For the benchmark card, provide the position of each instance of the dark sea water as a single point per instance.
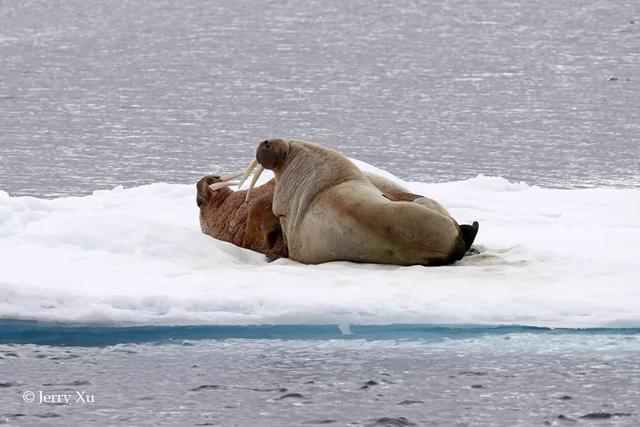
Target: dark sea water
(95, 94)
(516, 379)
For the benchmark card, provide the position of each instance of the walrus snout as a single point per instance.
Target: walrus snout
(271, 152)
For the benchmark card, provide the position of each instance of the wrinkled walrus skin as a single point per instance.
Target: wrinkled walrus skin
(225, 215)
(330, 211)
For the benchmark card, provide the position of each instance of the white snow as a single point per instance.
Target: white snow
(548, 257)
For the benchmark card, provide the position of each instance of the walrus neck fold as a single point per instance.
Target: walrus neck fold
(309, 170)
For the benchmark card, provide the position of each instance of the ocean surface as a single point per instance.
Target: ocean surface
(493, 379)
(95, 94)
(114, 309)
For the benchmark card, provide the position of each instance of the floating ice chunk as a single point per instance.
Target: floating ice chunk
(548, 257)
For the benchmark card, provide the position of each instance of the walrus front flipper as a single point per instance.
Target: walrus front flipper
(277, 245)
(469, 233)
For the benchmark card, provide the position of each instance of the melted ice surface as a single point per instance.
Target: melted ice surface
(548, 257)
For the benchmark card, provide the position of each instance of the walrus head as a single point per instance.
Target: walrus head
(272, 153)
(214, 186)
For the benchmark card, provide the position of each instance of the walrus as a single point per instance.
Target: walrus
(330, 211)
(246, 222)
(250, 223)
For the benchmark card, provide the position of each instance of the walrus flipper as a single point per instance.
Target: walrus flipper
(469, 233)
(277, 245)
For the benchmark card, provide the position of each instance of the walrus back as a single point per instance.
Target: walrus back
(353, 221)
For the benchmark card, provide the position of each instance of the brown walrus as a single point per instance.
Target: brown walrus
(228, 215)
(330, 211)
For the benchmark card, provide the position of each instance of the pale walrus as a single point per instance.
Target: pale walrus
(330, 211)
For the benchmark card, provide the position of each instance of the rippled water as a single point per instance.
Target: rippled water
(517, 379)
(95, 93)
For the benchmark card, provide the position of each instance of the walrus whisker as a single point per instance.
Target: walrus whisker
(218, 185)
(259, 171)
(233, 175)
(247, 172)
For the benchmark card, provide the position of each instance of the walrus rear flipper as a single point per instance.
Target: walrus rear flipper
(469, 233)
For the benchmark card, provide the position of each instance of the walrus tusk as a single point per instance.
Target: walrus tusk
(259, 171)
(233, 175)
(247, 172)
(224, 184)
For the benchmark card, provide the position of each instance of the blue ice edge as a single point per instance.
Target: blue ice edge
(59, 334)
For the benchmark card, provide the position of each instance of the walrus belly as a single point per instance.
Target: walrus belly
(353, 221)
